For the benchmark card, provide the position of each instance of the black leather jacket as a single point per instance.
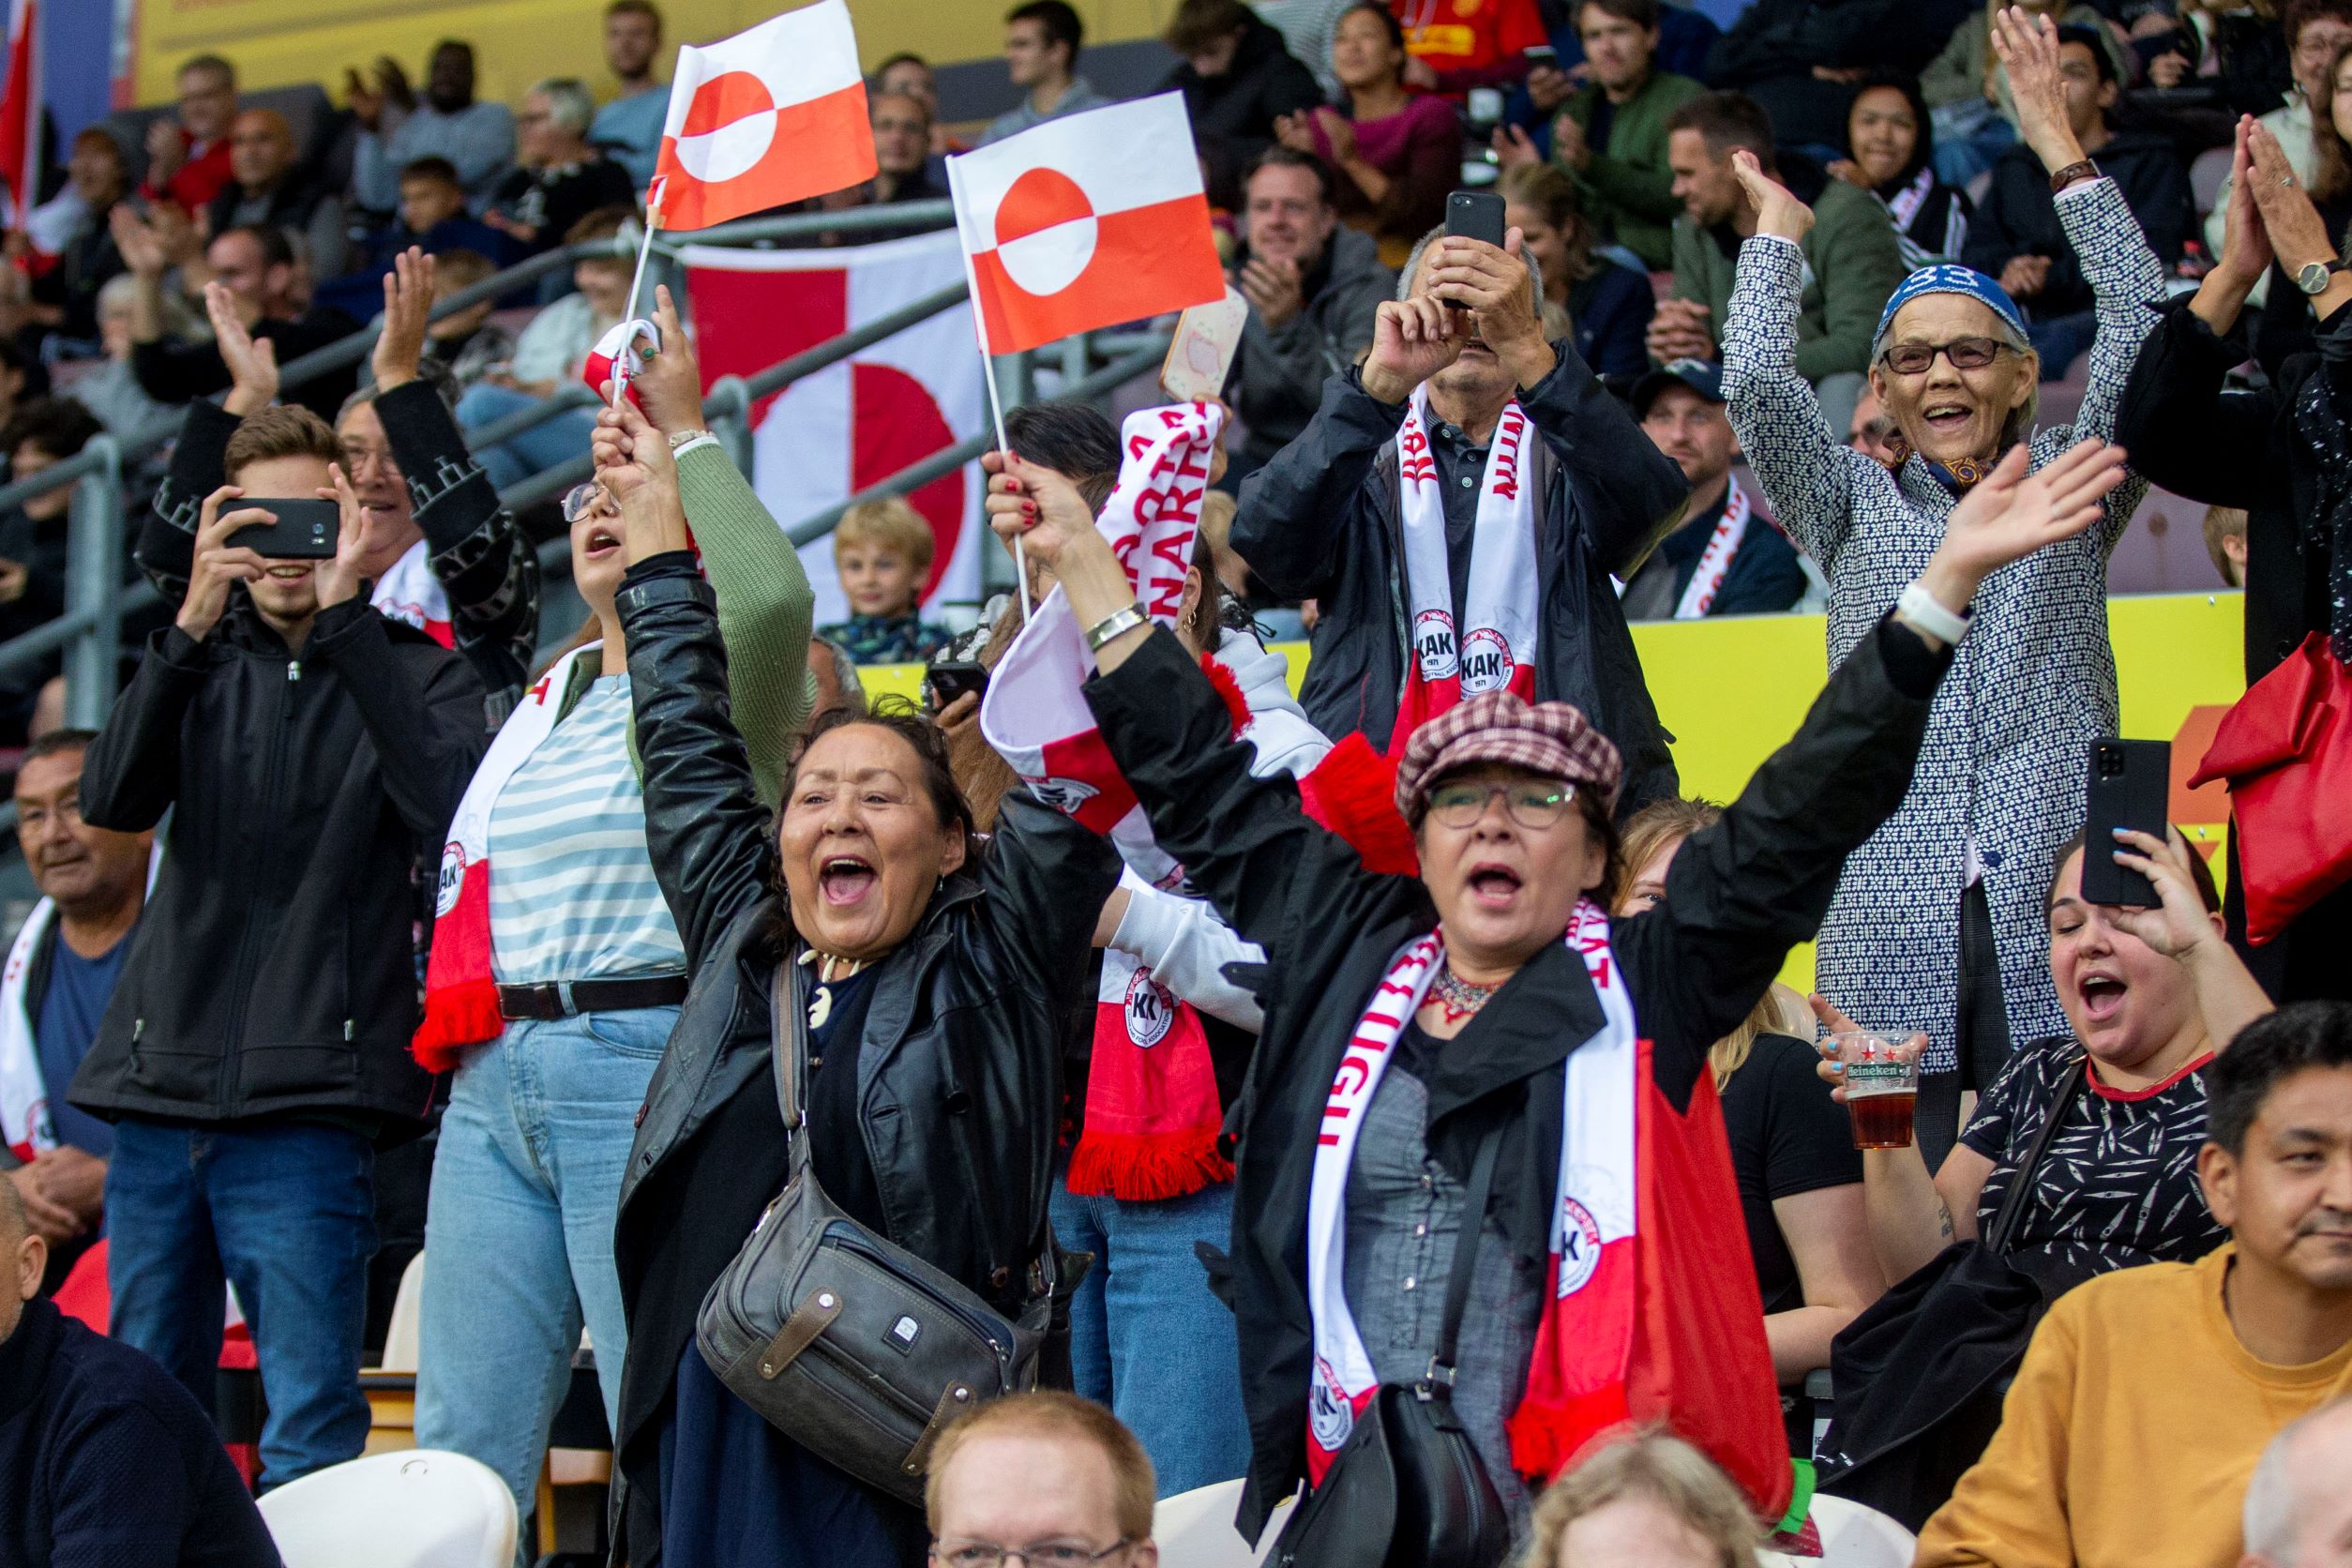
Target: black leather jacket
(957, 1067)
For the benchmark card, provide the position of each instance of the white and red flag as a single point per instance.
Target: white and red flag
(773, 114)
(1084, 222)
(21, 110)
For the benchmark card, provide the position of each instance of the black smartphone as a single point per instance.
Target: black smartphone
(1475, 214)
(1541, 54)
(951, 678)
(2130, 783)
(304, 530)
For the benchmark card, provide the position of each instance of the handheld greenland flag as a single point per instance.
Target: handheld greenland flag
(1084, 222)
(771, 116)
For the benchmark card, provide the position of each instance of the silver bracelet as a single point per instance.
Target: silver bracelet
(680, 438)
(1928, 613)
(1124, 619)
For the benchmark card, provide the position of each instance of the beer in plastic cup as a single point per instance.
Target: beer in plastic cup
(1881, 1086)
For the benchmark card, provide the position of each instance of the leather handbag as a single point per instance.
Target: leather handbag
(852, 1346)
(2286, 752)
(1918, 1377)
(1407, 1490)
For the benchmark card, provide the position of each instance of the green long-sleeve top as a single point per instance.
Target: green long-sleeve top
(1852, 264)
(765, 609)
(1626, 186)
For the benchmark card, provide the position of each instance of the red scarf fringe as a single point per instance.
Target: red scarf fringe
(1144, 1167)
(1352, 791)
(456, 1016)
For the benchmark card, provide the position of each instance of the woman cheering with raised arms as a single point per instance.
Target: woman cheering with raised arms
(1486, 1021)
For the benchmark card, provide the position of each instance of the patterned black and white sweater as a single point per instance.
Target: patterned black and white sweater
(2033, 683)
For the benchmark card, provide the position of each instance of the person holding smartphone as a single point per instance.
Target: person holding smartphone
(255, 1052)
(1486, 471)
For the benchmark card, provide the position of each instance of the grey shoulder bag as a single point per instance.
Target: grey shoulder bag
(850, 1345)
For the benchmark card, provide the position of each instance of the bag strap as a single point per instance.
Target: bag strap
(2014, 1200)
(1457, 1284)
(787, 1029)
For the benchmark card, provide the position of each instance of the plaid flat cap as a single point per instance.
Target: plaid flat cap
(1554, 739)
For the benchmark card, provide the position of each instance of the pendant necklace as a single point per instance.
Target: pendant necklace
(1458, 997)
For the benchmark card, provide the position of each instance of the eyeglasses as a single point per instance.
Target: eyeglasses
(1533, 803)
(581, 499)
(1965, 353)
(1058, 1554)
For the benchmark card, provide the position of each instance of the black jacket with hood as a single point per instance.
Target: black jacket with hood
(274, 971)
(957, 1066)
(1740, 896)
(1321, 521)
(1233, 112)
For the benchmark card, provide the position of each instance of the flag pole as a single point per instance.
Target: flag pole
(644, 248)
(987, 366)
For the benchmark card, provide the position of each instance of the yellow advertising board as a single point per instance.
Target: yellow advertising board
(1732, 690)
(278, 42)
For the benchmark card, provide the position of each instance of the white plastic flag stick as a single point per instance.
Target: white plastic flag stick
(629, 310)
(996, 396)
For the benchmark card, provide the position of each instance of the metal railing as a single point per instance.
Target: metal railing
(97, 597)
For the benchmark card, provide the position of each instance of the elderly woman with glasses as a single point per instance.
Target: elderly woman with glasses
(1484, 1025)
(1937, 926)
(557, 970)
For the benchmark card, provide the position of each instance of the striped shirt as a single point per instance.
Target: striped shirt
(572, 889)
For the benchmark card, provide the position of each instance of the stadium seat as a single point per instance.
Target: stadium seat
(1194, 1530)
(418, 1509)
(399, 1334)
(1852, 1536)
(2205, 176)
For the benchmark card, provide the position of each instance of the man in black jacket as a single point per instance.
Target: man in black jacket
(1236, 77)
(257, 1047)
(255, 264)
(2015, 235)
(102, 1458)
(1322, 521)
(267, 185)
(444, 555)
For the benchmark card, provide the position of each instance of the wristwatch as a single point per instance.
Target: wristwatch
(2312, 277)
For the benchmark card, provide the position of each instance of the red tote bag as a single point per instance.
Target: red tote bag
(2285, 751)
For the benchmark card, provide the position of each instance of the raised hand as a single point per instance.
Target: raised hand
(166, 151)
(217, 564)
(1273, 289)
(1412, 339)
(2298, 233)
(1340, 131)
(252, 361)
(2029, 47)
(339, 578)
(2245, 242)
(1495, 286)
(1295, 132)
(141, 246)
(366, 103)
(1830, 1070)
(2011, 513)
(1513, 148)
(634, 464)
(670, 386)
(408, 308)
(2178, 924)
(1776, 211)
(1040, 508)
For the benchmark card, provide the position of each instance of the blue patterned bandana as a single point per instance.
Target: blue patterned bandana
(1944, 278)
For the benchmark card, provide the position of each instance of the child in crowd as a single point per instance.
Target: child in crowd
(882, 549)
(2225, 542)
(468, 342)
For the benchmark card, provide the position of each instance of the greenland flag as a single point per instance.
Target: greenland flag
(1084, 222)
(768, 116)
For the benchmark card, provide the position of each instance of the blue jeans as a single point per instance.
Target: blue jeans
(1970, 137)
(519, 1233)
(286, 1212)
(536, 450)
(1146, 1336)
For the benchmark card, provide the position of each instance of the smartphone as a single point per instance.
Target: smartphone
(304, 530)
(2130, 783)
(1541, 54)
(1201, 354)
(951, 678)
(1475, 214)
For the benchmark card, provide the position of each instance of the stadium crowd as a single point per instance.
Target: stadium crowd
(1244, 1134)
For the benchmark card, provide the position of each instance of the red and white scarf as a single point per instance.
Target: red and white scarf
(1592, 1225)
(1714, 562)
(1651, 1314)
(461, 990)
(1496, 648)
(408, 591)
(24, 1125)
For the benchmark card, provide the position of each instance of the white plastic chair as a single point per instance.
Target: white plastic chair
(1854, 1535)
(408, 1306)
(420, 1508)
(1195, 1528)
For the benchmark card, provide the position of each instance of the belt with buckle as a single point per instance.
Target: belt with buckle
(564, 999)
